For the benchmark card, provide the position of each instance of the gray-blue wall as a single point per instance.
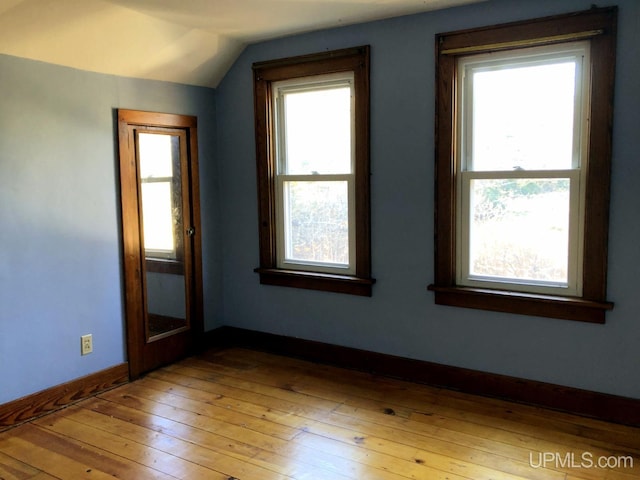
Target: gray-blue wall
(60, 253)
(401, 317)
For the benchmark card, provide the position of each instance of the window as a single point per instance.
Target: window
(160, 188)
(520, 198)
(523, 152)
(314, 175)
(312, 147)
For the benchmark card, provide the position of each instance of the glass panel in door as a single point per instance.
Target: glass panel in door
(160, 170)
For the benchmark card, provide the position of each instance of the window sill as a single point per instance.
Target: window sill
(565, 308)
(316, 281)
(160, 265)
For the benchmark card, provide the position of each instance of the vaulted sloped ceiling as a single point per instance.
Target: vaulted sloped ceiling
(185, 41)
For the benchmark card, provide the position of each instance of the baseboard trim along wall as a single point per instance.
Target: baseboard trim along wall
(602, 406)
(54, 398)
(587, 403)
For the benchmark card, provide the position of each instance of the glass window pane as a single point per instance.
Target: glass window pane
(156, 154)
(316, 222)
(157, 215)
(519, 229)
(318, 131)
(523, 117)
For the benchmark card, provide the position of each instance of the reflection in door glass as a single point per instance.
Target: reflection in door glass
(161, 194)
(158, 219)
(156, 155)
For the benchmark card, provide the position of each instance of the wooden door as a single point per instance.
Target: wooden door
(161, 237)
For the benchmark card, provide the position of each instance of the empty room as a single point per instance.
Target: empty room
(319, 239)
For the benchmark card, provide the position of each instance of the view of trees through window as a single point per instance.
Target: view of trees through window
(520, 229)
(317, 221)
(521, 151)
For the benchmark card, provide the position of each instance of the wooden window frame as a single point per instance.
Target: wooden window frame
(354, 60)
(598, 26)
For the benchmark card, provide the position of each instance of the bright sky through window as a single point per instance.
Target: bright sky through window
(155, 155)
(156, 171)
(318, 131)
(523, 117)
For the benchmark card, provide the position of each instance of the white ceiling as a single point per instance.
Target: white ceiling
(184, 41)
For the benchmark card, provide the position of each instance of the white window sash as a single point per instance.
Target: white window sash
(576, 175)
(310, 84)
(282, 221)
(576, 215)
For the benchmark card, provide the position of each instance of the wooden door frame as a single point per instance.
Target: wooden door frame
(132, 247)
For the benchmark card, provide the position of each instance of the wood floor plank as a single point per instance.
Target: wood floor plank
(256, 407)
(259, 420)
(430, 444)
(44, 476)
(532, 437)
(406, 468)
(12, 469)
(218, 392)
(172, 421)
(491, 455)
(415, 456)
(498, 452)
(269, 406)
(283, 392)
(495, 406)
(134, 459)
(313, 384)
(183, 437)
(493, 444)
(181, 425)
(618, 434)
(58, 456)
(238, 414)
(165, 453)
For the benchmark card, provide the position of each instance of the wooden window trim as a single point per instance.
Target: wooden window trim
(355, 60)
(598, 25)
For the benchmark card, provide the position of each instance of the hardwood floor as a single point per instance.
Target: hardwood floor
(238, 414)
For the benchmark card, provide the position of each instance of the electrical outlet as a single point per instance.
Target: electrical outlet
(86, 344)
